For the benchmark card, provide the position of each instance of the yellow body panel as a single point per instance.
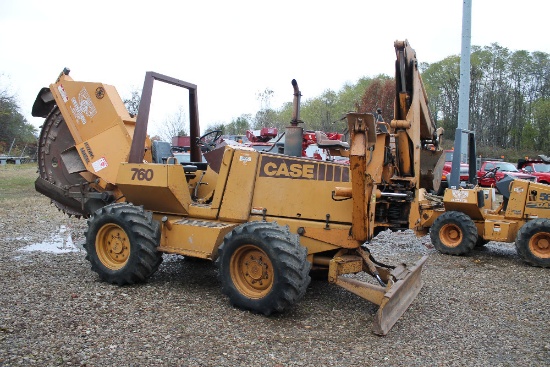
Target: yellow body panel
(503, 231)
(463, 201)
(194, 237)
(158, 187)
(489, 198)
(300, 188)
(537, 200)
(101, 156)
(240, 186)
(517, 200)
(311, 241)
(99, 123)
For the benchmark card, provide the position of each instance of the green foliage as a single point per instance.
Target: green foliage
(239, 125)
(505, 88)
(265, 118)
(219, 126)
(14, 128)
(324, 112)
(442, 81)
(541, 122)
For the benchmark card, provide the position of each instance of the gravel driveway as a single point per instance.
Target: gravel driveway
(487, 309)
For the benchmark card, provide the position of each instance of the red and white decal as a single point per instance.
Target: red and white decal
(100, 164)
(63, 93)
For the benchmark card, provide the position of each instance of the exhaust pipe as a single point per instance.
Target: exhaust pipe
(296, 104)
(294, 134)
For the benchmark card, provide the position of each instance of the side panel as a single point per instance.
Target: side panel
(237, 196)
(503, 231)
(158, 187)
(538, 200)
(102, 156)
(193, 237)
(99, 123)
(518, 199)
(88, 108)
(301, 188)
(463, 201)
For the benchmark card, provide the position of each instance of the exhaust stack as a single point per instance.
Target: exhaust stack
(294, 133)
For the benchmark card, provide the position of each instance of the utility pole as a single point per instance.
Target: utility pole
(464, 89)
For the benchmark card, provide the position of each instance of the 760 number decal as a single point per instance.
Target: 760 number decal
(142, 174)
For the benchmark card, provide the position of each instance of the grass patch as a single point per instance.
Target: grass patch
(17, 180)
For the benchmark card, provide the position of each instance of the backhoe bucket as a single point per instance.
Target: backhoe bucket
(403, 285)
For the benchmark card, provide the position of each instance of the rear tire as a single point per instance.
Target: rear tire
(454, 233)
(262, 267)
(121, 243)
(533, 242)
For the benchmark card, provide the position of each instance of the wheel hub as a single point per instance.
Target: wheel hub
(116, 244)
(112, 246)
(252, 271)
(451, 236)
(540, 245)
(256, 269)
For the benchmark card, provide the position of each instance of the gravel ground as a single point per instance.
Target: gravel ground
(486, 309)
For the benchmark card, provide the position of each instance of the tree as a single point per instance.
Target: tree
(504, 89)
(266, 116)
(239, 125)
(379, 94)
(175, 125)
(326, 112)
(541, 119)
(217, 126)
(14, 128)
(265, 98)
(132, 103)
(441, 81)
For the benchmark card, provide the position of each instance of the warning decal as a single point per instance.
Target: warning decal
(100, 164)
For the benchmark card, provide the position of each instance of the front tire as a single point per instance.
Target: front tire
(121, 243)
(533, 242)
(262, 267)
(453, 233)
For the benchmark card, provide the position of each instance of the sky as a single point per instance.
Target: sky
(234, 50)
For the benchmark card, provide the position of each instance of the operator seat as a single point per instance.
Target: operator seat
(503, 186)
(324, 142)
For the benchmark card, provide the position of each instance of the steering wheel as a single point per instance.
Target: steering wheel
(491, 172)
(211, 142)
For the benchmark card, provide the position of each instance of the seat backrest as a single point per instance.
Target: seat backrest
(160, 150)
(324, 142)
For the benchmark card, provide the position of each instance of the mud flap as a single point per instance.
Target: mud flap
(394, 299)
(399, 297)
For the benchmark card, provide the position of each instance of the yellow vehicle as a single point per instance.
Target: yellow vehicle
(471, 216)
(266, 219)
